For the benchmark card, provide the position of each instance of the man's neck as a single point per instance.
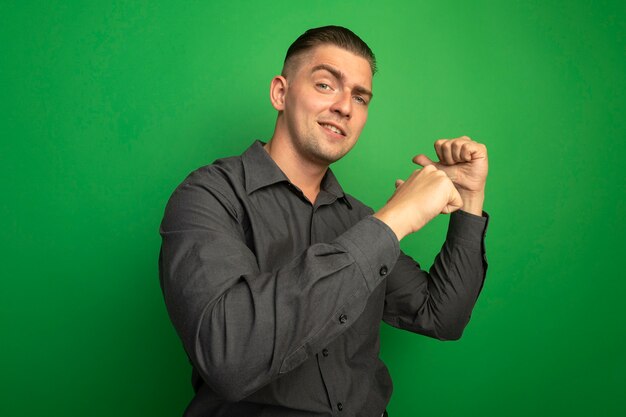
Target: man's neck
(303, 173)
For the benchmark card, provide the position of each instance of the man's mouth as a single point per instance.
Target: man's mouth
(332, 128)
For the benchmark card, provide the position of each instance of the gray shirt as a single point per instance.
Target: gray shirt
(278, 301)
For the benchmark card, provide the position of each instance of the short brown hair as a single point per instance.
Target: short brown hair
(330, 35)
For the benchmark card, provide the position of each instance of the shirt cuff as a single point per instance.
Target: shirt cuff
(375, 249)
(468, 229)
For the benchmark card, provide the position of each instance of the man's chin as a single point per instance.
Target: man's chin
(324, 153)
(328, 158)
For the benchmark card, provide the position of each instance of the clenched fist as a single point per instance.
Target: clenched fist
(456, 181)
(466, 164)
(463, 160)
(416, 201)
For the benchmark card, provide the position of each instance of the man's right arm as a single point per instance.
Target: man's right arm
(242, 327)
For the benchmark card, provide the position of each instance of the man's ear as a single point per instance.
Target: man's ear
(278, 89)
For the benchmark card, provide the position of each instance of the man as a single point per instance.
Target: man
(276, 280)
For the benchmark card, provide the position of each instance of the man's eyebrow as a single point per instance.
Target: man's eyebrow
(339, 75)
(334, 71)
(363, 91)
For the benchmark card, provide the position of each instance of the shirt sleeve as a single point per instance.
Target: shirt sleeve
(439, 303)
(242, 327)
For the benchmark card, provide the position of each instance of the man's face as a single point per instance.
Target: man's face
(326, 102)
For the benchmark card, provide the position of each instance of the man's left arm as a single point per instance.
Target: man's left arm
(439, 303)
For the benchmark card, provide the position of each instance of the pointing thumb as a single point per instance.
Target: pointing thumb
(423, 160)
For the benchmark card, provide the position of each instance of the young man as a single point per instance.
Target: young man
(276, 280)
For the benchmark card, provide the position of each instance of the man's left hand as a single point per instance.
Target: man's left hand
(465, 162)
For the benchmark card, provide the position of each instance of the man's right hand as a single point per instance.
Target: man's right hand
(416, 201)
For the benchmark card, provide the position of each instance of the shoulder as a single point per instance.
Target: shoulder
(225, 176)
(210, 190)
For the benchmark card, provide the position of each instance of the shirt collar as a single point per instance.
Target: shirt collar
(331, 185)
(261, 171)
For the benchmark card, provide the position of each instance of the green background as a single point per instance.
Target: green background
(107, 106)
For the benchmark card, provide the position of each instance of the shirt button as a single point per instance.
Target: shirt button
(343, 318)
(339, 406)
(383, 271)
(325, 352)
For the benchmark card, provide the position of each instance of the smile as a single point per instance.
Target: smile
(333, 128)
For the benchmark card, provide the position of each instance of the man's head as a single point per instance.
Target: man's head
(323, 93)
(327, 35)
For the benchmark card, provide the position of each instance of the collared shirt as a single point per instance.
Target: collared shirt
(278, 301)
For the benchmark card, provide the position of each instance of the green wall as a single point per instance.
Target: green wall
(106, 106)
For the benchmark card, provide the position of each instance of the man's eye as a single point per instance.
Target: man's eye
(360, 100)
(323, 86)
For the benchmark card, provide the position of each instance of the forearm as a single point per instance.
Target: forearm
(457, 275)
(438, 303)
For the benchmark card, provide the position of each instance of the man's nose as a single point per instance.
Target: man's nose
(343, 105)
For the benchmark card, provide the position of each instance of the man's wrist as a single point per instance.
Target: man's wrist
(473, 202)
(388, 218)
